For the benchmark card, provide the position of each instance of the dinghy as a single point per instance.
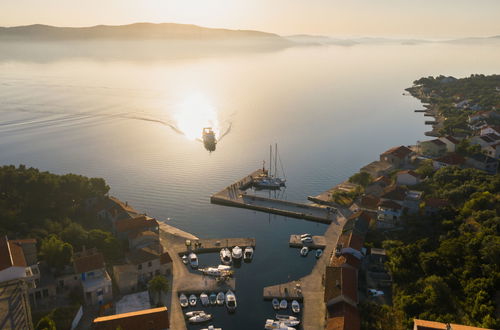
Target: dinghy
(192, 300)
(211, 327)
(212, 298)
(304, 251)
(220, 298)
(183, 300)
(283, 304)
(193, 260)
(185, 259)
(295, 306)
(319, 253)
(204, 299)
(276, 303)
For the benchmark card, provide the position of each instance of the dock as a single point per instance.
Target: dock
(216, 244)
(421, 110)
(235, 195)
(288, 291)
(318, 242)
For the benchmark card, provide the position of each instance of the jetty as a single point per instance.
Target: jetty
(235, 195)
(318, 242)
(288, 291)
(216, 244)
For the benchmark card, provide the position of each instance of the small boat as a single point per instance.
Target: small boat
(212, 298)
(295, 306)
(237, 253)
(211, 327)
(230, 301)
(288, 320)
(204, 299)
(194, 313)
(209, 140)
(272, 324)
(183, 300)
(193, 260)
(283, 304)
(200, 318)
(220, 298)
(276, 303)
(192, 300)
(225, 256)
(319, 253)
(212, 271)
(248, 253)
(185, 259)
(304, 251)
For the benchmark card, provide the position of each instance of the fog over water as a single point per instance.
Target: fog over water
(132, 113)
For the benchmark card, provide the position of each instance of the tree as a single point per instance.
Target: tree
(56, 252)
(361, 178)
(46, 323)
(157, 286)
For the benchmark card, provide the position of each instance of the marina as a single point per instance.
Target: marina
(318, 242)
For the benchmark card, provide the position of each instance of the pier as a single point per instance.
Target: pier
(288, 291)
(317, 243)
(235, 195)
(216, 244)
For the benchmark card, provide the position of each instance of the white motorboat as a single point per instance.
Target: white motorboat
(193, 260)
(200, 318)
(212, 298)
(220, 298)
(183, 300)
(319, 253)
(248, 253)
(212, 271)
(225, 256)
(194, 313)
(185, 259)
(192, 300)
(272, 324)
(304, 251)
(237, 253)
(230, 301)
(288, 320)
(211, 327)
(276, 303)
(204, 299)
(295, 306)
(283, 304)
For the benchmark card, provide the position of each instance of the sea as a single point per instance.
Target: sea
(133, 115)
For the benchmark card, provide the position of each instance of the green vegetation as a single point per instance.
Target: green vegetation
(53, 209)
(157, 286)
(361, 178)
(447, 267)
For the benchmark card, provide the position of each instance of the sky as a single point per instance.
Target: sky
(389, 18)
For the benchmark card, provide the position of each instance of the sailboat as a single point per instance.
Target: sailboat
(268, 179)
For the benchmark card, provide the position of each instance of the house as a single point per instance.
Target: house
(368, 203)
(343, 316)
(483, 115)
(114, 210)
(131, 226)
(483, 162)
(126, 278)
(432, 148)
(450, 159)
(490, 129)
(407, 178)
(96, 283)
(485, 140)
(149, 262)
(151, 319)
(378, 185)
(13, 264)
(493, 150)
(462, 104)
(341, 286)
(377, 168)
(394, 202)
(142, 239)
(388, 214)
(434, 205)
(451, 143)
(397, 156)
(431, 325)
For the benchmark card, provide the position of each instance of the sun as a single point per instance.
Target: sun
(193, 114)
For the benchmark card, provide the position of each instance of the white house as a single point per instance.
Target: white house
(489, 129)
(95, 280)
(451, 143)
(12, 262)
(407, 178)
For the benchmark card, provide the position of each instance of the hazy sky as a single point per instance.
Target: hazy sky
(419, 18)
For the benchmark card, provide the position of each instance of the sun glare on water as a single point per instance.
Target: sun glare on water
(194, 114)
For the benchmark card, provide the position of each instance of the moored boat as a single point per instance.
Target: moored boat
(200, 318)
(183, 300)
(212, 298)
(231, 301)
(276, 303)
(237, 253)
(248, 253)
(319, 253)
(304, 251)
(272, 324)
(194, 313)
(193, 260)
(295, 306)
(225, 256)
(185, 259)
(211, 327)
(220, 298)
(283, 304)
(204, 299)
(288, 320)
(192, 300)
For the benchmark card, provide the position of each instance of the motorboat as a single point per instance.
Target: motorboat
(305, 235)
(192, 300)
(306, 240)
(230, 301)
(276, 303)
(200, 318)
(209, 140)
(183, 300)
(220, 298)
(194, 313)
(212, 271)
(288, 320)
(212, 298)
(319, 253)
(237, 253)
(185, 259)
(283, 304)
(304, 251)
(204, 299)
(193, 260)
(225, 256)
(272, 324)
(295, 306)
(211, 327)
(248, 253)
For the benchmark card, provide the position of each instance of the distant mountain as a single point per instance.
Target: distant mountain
(305, 39)
(475, 40)
(137, 31)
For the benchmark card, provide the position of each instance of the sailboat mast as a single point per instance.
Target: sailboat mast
(275, 160)
(270, 160)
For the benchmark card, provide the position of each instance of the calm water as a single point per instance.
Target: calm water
(331, 110)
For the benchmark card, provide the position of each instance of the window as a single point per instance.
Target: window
(99, 292)
(38, 295)
(139, 266)
(150, 264)
(45, 293)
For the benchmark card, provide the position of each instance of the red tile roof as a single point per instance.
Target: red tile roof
(343, 316)
(390, 204)
(394, 192)
(165, 258)
(87, 261)
(342, 283)
(383, 179)
(140, 222)
(451, 159)
(452, 139)
(11, 254)
(151, 319)
(409, 172)
(400, 152)
(431, 325)
(369, 202)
